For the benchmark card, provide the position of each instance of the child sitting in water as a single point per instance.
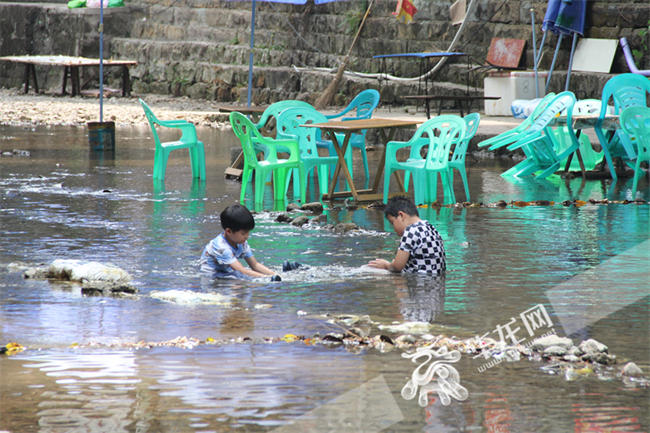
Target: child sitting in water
(420, 249)
(220, 258)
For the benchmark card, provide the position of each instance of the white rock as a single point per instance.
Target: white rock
(78, 270)
(190, 297)
(632, 370)
(410, 327)
(555, 351)
(591, 345)
(551, 340)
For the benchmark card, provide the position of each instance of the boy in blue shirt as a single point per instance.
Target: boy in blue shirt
(220, 258)
(421, 249)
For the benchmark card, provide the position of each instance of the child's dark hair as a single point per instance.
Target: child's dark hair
(236, 217)
(400, 204)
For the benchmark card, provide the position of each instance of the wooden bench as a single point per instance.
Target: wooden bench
(458, 101)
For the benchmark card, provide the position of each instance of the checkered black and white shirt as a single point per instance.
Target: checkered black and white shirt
(424, 244)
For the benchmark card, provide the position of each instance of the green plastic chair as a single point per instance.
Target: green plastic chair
(251, 140)
(635, 121)
(364, 104)
(457, 160)
(275, 109)
(289, 124)
(509, 137)
(540, 141)
(439, 133)
(188, 140)
(627, 90)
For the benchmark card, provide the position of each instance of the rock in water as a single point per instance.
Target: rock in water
(78, 270)
(551, 340)
(631, 370)
(190, 297)
(408, 327)
(592, 346)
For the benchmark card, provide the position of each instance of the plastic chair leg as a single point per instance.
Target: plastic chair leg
(549, 171)
(447, 186)
(610, 163)
(364, 157)
(463, 175)
(245, 178)
(161, 164)
(323, 180)
(388, 172)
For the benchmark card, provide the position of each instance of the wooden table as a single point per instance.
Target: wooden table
(71, 70)
(254, 112)
(348, 128)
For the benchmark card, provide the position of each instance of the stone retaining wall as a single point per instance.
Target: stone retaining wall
(199, 48)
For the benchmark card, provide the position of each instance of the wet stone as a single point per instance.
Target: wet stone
(345, 227)
(592, 346)
(555, 351)
(103, 288)
(551, 340)
(300, 221)
(320, 219)
(284, 218)
(631, 370)
(292, 206)
(601, 358)
(315, 207)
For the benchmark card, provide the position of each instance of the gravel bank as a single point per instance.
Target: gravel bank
(17, 108)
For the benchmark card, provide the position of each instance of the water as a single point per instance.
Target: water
(66, 202)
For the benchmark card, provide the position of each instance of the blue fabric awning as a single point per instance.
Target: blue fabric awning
(565, 17)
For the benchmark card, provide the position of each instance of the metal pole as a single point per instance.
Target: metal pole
(550, 72)
(568, 72)
(250, 59)
(101, 61)
(532, 24)
(539, 52)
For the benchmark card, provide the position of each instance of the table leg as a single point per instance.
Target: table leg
(126, 81)
(341, 165)
(382, 163)
(66, 72)
(33, 68)
(76, 82)
(27, 71)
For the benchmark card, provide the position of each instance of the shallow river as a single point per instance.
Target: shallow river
(67, 202)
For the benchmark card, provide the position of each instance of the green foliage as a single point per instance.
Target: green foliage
(353, 18)
(235, 40)
(644, 49)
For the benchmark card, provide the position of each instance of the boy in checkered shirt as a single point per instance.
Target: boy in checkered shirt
(420, 249)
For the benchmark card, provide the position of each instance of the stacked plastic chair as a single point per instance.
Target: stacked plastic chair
(251, 140)
(516, 133)
(635, 121)
(440, 134)
(626, 90)
(188, 140)
(540, 144)
(289, 124)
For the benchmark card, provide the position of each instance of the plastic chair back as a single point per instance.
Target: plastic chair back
(289, 125)
(442, 132)
(364, 104)
(246, 131)
(275, 109)
(635, 121)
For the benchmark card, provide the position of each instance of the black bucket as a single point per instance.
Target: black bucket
(101, 135)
